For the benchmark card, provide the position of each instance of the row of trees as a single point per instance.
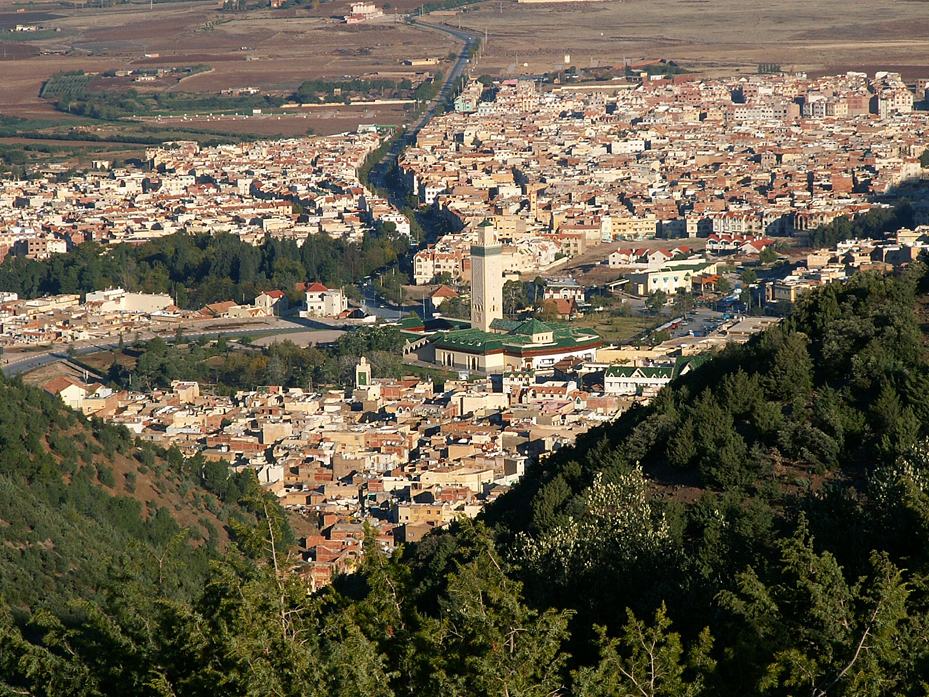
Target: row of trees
(230, 368)
(874, 223)
(200, 269)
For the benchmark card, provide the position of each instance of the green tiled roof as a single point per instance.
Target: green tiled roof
(563, 337)
(470, 340)
(627, 371)
(505, 325)
(533, 326)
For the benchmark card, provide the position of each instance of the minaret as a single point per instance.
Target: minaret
(362, 374)
(486, 278)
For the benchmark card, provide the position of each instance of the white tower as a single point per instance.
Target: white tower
(486, 278)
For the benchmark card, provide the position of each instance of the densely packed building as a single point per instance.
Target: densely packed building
(247, 189)
(562, 171)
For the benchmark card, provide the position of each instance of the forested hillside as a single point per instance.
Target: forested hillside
(761, 528)
(80, 500)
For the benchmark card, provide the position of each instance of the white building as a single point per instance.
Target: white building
(322, 302)
(118, 300)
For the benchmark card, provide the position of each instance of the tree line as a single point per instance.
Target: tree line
(200, 269)
(875, 223)
(230, 368)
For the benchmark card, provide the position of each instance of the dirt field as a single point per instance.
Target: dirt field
(271, 51)
(719, 37)
(275, 51)
(337, 118)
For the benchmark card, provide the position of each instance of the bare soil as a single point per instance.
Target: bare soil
(722, 37)
(275, 50)
(269, 50)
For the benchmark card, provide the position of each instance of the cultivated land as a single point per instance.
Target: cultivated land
(718, 37)
(273, 51)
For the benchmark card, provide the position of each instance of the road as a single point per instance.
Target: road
(192, 330)
(379, 171)
(378, 305)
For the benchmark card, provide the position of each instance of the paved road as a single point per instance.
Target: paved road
(379, 171)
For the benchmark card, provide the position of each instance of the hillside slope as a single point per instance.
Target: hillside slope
(762, 527)
(79, 498)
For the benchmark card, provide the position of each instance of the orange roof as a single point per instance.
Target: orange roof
(62, 382)
(443, 291)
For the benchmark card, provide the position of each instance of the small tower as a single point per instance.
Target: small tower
(362, 374)
(486, 278)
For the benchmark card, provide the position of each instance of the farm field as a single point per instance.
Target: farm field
(718, 37)
(274, 51)
(271, 51)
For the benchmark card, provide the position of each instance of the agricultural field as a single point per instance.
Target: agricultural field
(218, 74)
(194, 50)
(711, 38)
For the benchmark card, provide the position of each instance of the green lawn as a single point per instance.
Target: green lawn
(617, 329)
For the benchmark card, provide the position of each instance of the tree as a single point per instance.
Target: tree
(816, 631)
(723, 285)
(455, 307)
(489, 642)
(683, 302)
(656, 300)
(659, 337)
(749, 277)
(515, 297)
(548, 312)
(648, 660)
(768, 255)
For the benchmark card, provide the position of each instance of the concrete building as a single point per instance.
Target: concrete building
(322, 302)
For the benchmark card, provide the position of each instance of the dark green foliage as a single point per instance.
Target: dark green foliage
(281, 363)
(63, 519)
(201, 269)
(68, 84)
(874, 223)
(72, 98)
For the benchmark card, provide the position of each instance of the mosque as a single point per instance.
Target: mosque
(493, 344)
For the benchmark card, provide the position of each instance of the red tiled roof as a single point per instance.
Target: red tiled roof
(443, 291)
